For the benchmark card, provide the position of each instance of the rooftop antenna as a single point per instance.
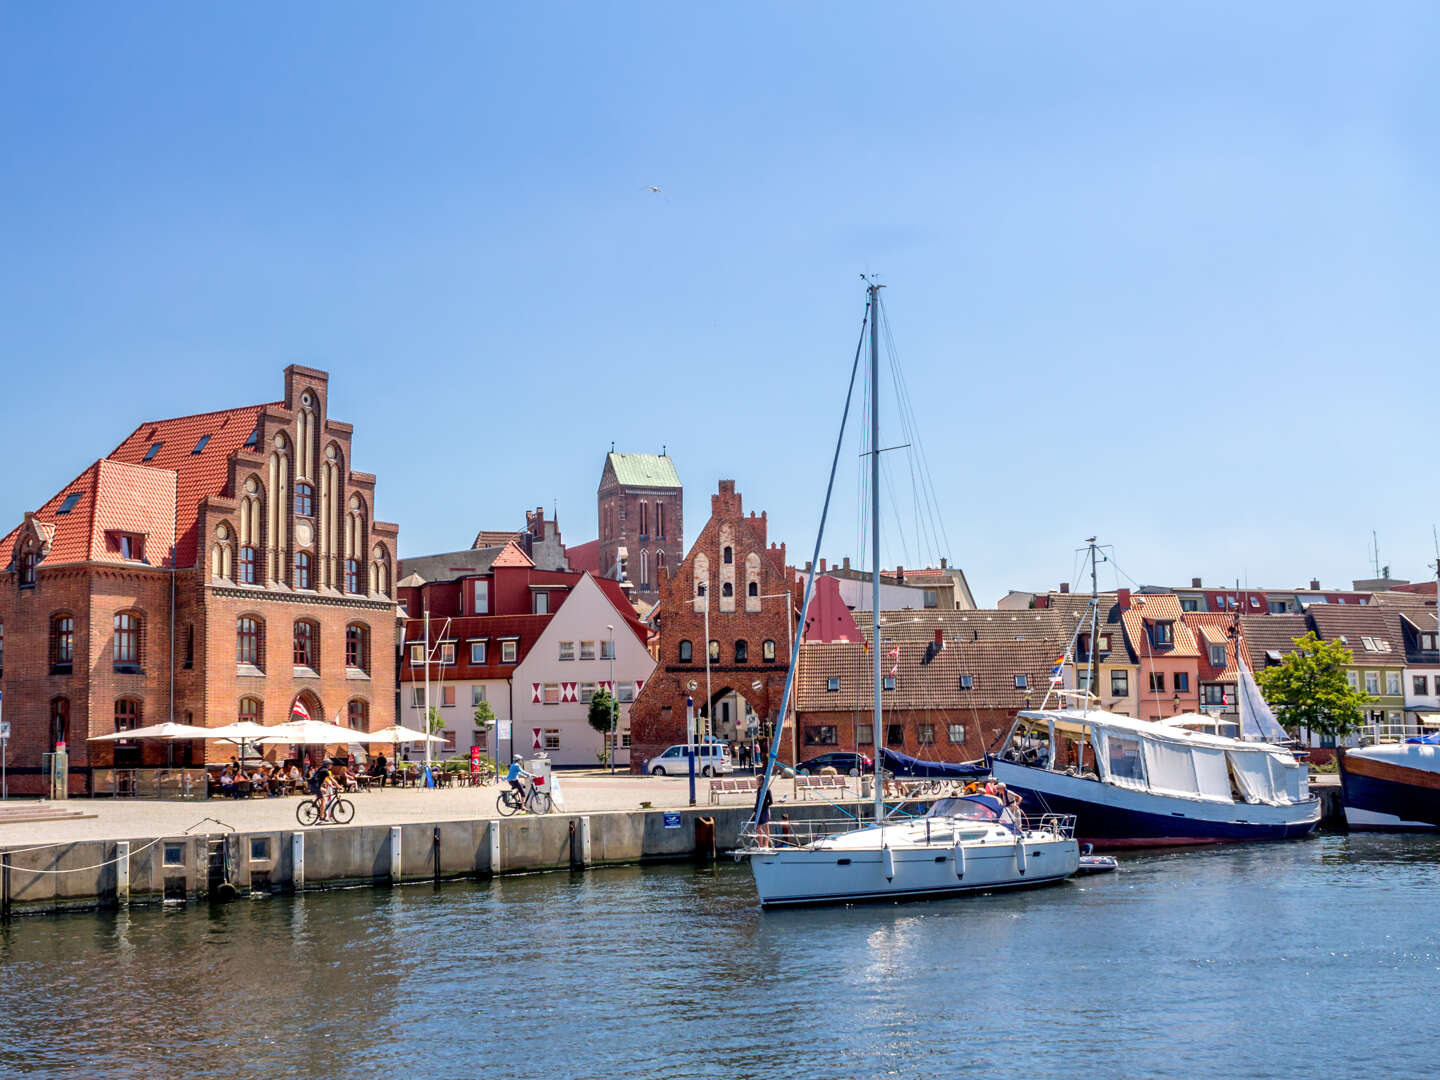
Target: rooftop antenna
(612, 446)
(1375, 551)
(663, 449)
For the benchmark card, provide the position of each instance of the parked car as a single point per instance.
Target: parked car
(710, 758)
(846, 764)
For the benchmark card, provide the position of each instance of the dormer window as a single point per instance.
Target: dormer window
(27, 569)
(1162, 633)
(129, 546)
(1217, 656)
(154, 449)
(1427, 641)
(254, 440)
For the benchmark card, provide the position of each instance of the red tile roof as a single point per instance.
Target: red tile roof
(1150, 608)
(526, 628)
(511, 555)
(199, 475)
(1214, 629)
(584, 557)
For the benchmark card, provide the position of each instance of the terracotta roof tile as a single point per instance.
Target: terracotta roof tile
(1146, 609)
(1214, 628)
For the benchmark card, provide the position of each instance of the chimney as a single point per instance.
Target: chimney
(900, 574)
(822, 566)
(1122, 598)
(943, 564)
(1315, 584)
(1195, 583)
(846, 564)
(807, 566)
(939, 638)
(1064, 586)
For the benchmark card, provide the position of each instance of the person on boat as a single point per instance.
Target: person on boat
(762, 822)
(1010, 800)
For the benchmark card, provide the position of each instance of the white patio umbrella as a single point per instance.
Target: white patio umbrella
(156, 731)
(309, 733)
(396, 733)
(242, 732)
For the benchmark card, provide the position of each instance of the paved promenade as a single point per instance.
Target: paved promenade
(583, 791)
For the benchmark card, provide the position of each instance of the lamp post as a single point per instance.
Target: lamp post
(614, 708)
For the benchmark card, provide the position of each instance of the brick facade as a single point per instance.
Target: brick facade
(232, 479)
(646, 519)
(744, 621)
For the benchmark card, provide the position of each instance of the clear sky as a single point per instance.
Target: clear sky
(1165, 273)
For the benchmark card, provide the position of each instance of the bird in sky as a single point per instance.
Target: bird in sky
(653, 189)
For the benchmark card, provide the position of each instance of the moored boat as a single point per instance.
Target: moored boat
(1391, 784)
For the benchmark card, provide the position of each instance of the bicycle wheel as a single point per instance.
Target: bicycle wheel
(506, 805)
(308, 812)
(540, 802)
(343, 812)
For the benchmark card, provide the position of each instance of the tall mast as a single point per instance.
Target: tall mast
(1094, 620)
(874, 291)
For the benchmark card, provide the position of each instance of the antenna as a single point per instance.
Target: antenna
(1375, 551)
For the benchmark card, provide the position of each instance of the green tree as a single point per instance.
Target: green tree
(484, 716)
(1309, 689)
(602, 717)
(434, 724)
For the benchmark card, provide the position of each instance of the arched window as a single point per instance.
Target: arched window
(302, 570)
(659, 563)
(357, 715)
(742, 652)
(62, 644)
(644, 567)
(126, 649)
(686, 652)
(714, 652)
(644, 519)
(357, 647)
(767, 651)
(247, 640)
(251, 710)
(27, 569)
(307, 645)
(753, 590)
(59, 720)
(380, 571)
(728, 555)
(304, 499)
(660, 520)
(727, 588)
(247, 565)
(352, 575)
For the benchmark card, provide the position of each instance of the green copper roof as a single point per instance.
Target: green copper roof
(644, 470)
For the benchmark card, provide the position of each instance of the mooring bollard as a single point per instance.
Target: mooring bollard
(297, 861)
(395, 854)
(122, 873)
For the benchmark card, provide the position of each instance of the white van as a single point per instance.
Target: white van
(710, 758)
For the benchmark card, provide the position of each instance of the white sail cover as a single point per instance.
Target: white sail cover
(1256, 720)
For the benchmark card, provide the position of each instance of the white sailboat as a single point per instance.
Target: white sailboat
(960, 844)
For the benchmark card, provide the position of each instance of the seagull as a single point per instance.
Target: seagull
(653, 189)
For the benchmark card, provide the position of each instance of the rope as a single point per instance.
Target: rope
(78, 869)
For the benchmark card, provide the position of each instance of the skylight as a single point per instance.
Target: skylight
(254, 440)
(69, 503)
(199, 446)
(155, 449)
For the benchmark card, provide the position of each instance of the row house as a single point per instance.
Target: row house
(1165, 652)
(215, 567)
(949, 691)
(535, 645)
(725, 619)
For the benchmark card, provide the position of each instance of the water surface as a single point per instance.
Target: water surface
(1243, 961)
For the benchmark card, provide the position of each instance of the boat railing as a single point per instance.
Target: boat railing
(789, 829)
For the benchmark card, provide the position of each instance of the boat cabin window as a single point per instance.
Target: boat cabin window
(972, 808)
(1125, 758)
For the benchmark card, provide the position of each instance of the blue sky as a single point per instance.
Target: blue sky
(1165, 273)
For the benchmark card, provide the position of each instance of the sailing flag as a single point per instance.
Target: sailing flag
(894, 669)
(298, 709)
(895, 653)
(1057, 673)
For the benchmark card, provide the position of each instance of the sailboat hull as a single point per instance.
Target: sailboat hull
(805, 877)
(1113, 817)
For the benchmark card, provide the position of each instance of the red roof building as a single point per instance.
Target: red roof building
(210, 568)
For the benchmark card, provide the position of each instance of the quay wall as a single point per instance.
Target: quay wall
(225, 865)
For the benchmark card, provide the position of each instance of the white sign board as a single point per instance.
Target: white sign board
(4, 730)
(502, 729)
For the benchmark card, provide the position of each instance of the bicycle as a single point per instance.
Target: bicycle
(534, 801)
(311, 811)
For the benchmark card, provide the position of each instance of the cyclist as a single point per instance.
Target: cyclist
(516, 778)
(324, 788)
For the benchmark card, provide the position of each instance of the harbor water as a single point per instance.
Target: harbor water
(1318, 956)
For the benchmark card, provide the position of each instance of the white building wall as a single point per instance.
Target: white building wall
(582, 617)
(460, 717)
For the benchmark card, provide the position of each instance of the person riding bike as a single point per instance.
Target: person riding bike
(516, 778)
(324, 788)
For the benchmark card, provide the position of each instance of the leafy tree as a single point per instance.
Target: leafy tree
(602, 717)
(1309, 688)
(434, 723)
(484, 716)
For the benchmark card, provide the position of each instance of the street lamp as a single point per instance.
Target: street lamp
(614, 708)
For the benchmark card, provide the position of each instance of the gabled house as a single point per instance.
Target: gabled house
(1165, 651)
(1373, 636)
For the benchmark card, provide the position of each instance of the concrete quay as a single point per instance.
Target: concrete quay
(147, 852)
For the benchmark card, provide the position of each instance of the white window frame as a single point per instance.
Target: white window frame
(477, 652)
(417, 655)
(551, 738)
(607, 650)
(480, 596)
(567, 651)
(625, 693)
(587, 650)
(508, 651)
(447, 654)
(477, 695)
(1372, 683)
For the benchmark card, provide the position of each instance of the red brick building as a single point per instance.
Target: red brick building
(211, 568)
(642, 520)
(752, 606)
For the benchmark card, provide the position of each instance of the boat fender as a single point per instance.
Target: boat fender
(959, 858)
(888, 859)
(1020, 855)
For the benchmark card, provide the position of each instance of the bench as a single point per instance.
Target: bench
(822, 784)
(732, 786)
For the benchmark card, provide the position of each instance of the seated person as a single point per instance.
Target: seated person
(227, 782)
